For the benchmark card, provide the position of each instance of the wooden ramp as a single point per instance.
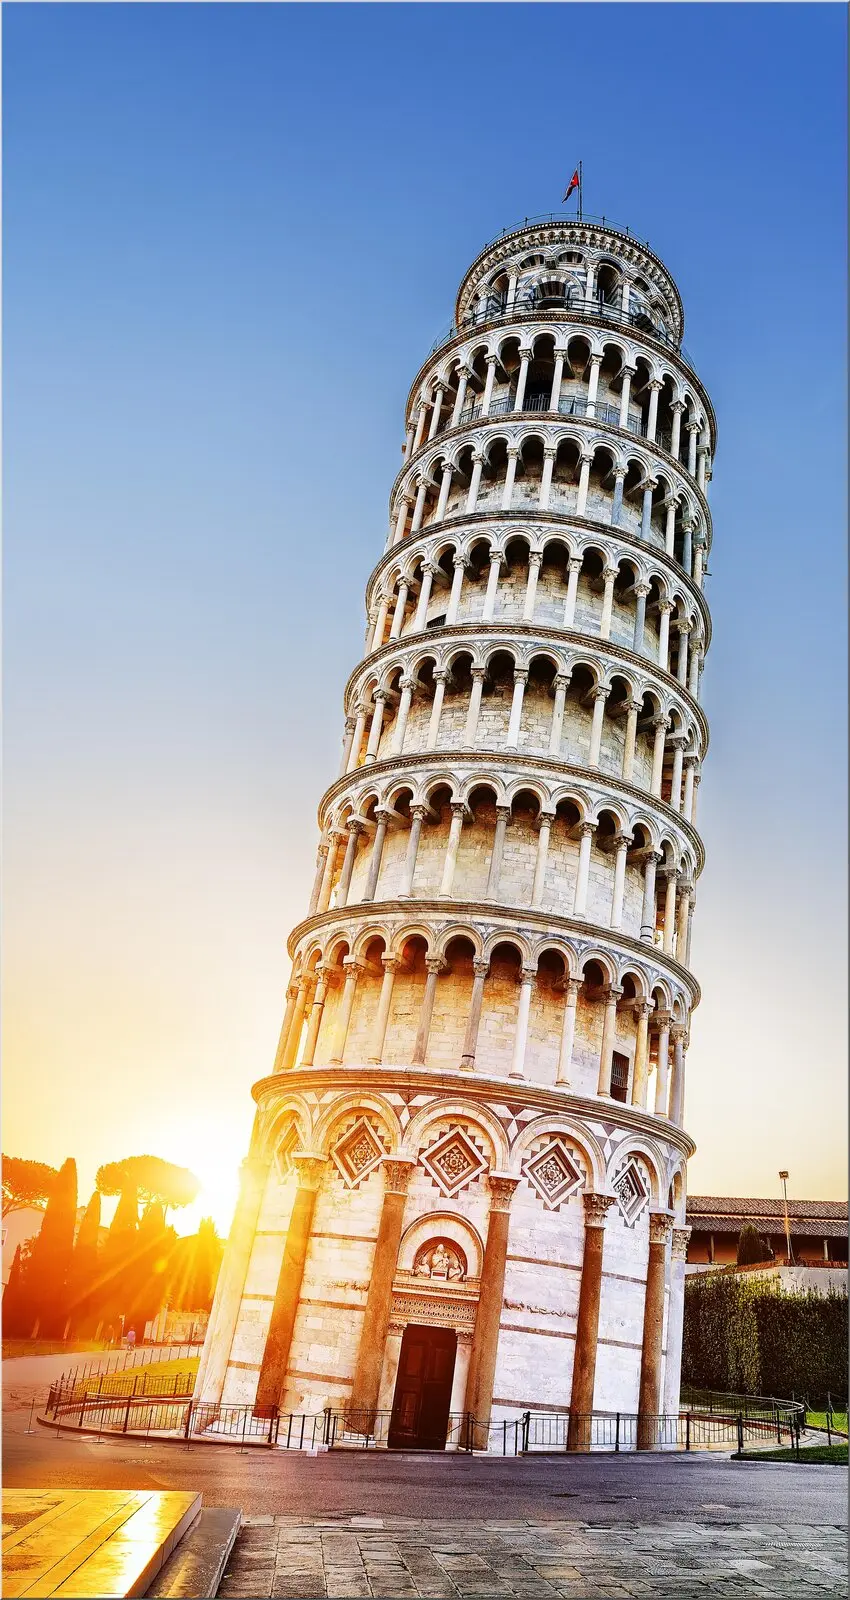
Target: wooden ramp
(89, 1544)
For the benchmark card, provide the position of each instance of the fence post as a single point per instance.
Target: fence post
(688, 1431)
(326, 1436)
(526, 1429)
(740, 1434)
(828, 1421)
(617, 1434)
(274, 1417)
(82, 1410)
(127, 1413)
(188, 1424)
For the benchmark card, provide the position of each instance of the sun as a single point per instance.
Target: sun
(214, 1151)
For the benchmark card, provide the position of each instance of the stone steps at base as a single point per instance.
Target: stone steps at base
(195, 1568)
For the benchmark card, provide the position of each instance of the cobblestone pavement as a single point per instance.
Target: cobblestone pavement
(396, 1557)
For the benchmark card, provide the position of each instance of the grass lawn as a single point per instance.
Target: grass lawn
(817, 1419)
(833, 1455)
(157, 1377)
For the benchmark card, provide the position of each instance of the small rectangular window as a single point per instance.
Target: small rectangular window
(436, 622)
(619, 1076)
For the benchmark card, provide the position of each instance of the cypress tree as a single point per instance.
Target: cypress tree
(82, 1279)
(17, 1300)
(118, 1253)
(51, 1254)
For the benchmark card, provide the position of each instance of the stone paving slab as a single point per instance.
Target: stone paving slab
(295, 1558)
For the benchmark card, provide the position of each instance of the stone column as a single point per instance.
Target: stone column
(475, 480)
(460, 1378)
(520, 681)
(401, 518)
(353, 968)
(677, 1083)
(596, 1207)
(660, 724)
(655, 388)
(682, 663)
(363, 1403)
(557, 375)
(305, 987)
(676, 781)
(321, 863)
(407, 686)
(434, 966)
(688, 802)
(675, 1320)
(641, 592)
(693, 675)
(491, 363)
(628, 374)
(622, 842)
(419, 507)
(212, 1370)
(485, 1339)
(357, 741)
(391, 965)
(583, 485)
(586, 831)
(647, 917)
(445, 486)
(687, 544)
(272, 1379)
(429, 572)
(420, 425)
(671, 877)
(496, 559)
(436, 410)
(664, 607)
(660, 1224)
(470, 1042)
(646, 508)
(568, 1032)
(560, 685)
(671, 505)
(527, 977)
(640, 1076)
(463, 376)
(398, 613)
(457, 585)
(693, 430)
(510, 477)
(535, 562)
(617, 501)
(291, 998)
(417, 817)
(599, 695)
(380, 698)
(631, 709)
(458, 814)
(546, 477)
(699, 564)
(389, 1372)
(677, 408)
(503, 815)
(382, 816)
(524, 359)
(606, 1051)
(347, 742)
(323, 973)
(440, 675)
(543, 832)
(354, 829)
(574, 568)
(682, 910)
(471, 727)
(593, 385)
(661, 1071)
(380, 624)
(609, 576)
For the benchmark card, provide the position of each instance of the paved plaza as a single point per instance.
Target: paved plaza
(446, 1558)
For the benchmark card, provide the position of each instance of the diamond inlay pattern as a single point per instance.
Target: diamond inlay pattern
(453, 1161)
(357, 1153)
(553, 1174)
(632, 1192)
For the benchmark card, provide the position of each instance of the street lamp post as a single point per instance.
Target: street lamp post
(784, 1177)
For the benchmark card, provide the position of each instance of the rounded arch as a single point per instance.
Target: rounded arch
(478, 1116)
(448, 1225)
(347, 1104)
(578, 1134)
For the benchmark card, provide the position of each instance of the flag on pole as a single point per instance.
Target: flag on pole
(574, 183)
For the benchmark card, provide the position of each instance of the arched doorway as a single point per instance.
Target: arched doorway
(423, 1390)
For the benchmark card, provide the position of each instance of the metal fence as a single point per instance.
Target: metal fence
(126, 1360)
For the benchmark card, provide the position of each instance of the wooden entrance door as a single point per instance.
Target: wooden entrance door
(423, 1389)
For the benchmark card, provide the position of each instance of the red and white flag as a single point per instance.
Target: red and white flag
(574, 183)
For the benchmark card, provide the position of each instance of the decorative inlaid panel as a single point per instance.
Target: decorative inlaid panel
(453, 1161)
(357, 1153)
(553, 1173)
(632, 1191)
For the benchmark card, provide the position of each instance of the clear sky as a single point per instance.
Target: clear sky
(231, 234)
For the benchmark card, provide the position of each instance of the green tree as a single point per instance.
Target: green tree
(52, 1250)
(83, 1274)
(195, 1269)
(751, 1246)
(153, 1180)
(148, 1269)
(18, 1313)
(26, 1183)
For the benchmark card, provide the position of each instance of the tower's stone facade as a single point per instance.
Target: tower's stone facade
(474, 1122)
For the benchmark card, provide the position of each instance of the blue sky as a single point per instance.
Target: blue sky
(231, 234)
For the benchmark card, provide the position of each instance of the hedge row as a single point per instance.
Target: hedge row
(752, 1337)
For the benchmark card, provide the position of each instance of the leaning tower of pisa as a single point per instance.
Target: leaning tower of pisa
(465, 1191)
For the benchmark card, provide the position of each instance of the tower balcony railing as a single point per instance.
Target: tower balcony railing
(498, 310)
(568, 406)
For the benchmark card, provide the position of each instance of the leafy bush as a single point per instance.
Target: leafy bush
(753, 1337)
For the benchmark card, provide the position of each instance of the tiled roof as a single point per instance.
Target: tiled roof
(727, 1213)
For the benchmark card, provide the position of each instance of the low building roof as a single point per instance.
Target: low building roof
(728, 1213)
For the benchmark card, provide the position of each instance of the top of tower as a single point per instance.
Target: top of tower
(554, 252)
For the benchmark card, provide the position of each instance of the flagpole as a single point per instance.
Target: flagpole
(580, 189)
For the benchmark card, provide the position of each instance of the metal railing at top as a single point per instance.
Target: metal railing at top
(566, 308)
(190, 1421)
(565, 221)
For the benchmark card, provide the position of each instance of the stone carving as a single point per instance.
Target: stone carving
(440, 1258)
(552, 1174)
(679, 1247)
(631, 1192)
(453, 1161)
(596, 1207)
(660, 1225)
(357, 1153)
